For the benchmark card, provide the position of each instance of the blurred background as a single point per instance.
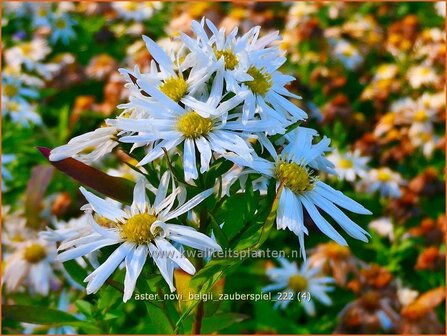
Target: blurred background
(372, 79)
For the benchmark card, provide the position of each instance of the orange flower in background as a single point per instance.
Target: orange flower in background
(420, 316)
(335, 260)
(430, 259)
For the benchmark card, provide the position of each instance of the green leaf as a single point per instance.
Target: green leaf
(37, 315)
(84, 307)
(220, 321)
(156, 314)
(118, 188)
(76, 272)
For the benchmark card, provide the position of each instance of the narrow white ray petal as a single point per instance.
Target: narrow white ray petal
(101, 274)
(80, 241)
(139, 197)
(104, 232)
(202, 108)
(190, 204)
(162, 263)
(338, 198)
(157, 151)
(82, 250)
(173, 254)
(189, 160)
(216, 90)
(192, 237)
(322, 223)
(158, 54)
(274, 287)
(353, 229)
(162, 189)
(134, 266)
(102, 207)
(205, 153)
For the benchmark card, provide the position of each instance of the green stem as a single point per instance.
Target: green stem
(197, 324)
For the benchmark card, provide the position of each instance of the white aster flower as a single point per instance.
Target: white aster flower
(15, 95)
(41, 13)
(293, 281)
(88, 147)
(385, 71)
(384, 227)
(349, 165)
(300, 12)
(14, 228)
(31, 265)
(420, 75)
(347, 54)
(136, 11)
(29, 53)
(384, 180)
(62, 28)
(233, 55)
(302, 190)
(140, 230)
(198, 125)
(248, 63)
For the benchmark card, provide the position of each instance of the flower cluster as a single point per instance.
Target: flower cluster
(217, 96)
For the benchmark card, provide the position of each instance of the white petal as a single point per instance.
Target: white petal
(172, 253)
(134, 265)
(192, 238)
(205, 153)
(158, 54)
(344, 221)
(162, 189)
(139, 197)
(340, 199)
(322, 223)
(162, 263)
(190, 204)
(101, 274)
(82, 250)
(189, 160)
(102, 207)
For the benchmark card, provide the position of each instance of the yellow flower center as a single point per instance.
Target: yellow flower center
(420, 116)
(297, 283)
(192, 125)
(348, 51)
(345, 163)
(174, 87)
(60, 23)
(383, 176)
(230, 58)
(26, 49)
(137, 229)
(10, 90)
(42, 12)
(34, 253)
(425, 71)
(262, 81)
(13, 107)
(17, 238)
(131, 6)
(295, 177)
